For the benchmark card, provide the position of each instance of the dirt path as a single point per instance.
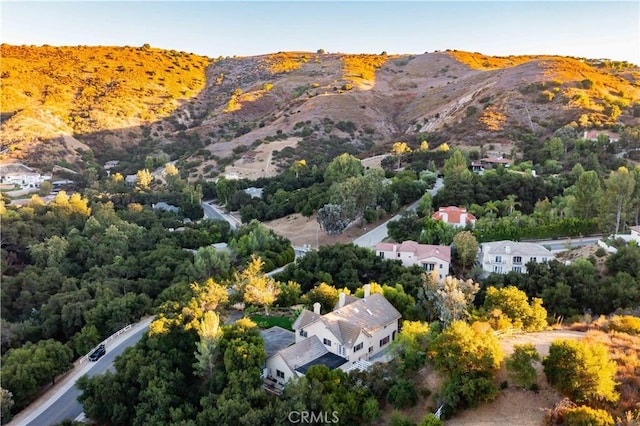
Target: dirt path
(517, 406)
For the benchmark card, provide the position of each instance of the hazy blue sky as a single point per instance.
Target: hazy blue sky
(590, 29)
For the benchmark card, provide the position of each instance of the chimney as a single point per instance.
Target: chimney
(316, 308)
(341, 299)
(367, 290)
(507, 249)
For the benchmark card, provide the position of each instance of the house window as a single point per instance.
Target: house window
(303, 333)
(384, 341)
(498, 259)
(280, 374)
(381, 254)
(544, 259)
(517, 269)
(441, 267)
(429, 266)
(533, 259)
(370, 349)
(326, 342)
(517, 259)
(398, 254)
(357, 347)
(341, 350)
(497, 269)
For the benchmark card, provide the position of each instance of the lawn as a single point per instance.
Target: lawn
(268, 322)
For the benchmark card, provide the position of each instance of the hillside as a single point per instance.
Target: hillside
(130, 102)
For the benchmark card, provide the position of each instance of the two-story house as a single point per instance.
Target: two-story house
(426, 256)
(455, 216)
(358, 329)
(506, 256)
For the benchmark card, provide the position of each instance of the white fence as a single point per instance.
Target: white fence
(104, 342)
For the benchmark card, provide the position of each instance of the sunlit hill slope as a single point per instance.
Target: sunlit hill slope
(133, 101)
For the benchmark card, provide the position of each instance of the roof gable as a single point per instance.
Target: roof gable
(515, 248)
(367, 314)
(420, 251)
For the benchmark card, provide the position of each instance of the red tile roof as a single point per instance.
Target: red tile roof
(420, 251)
(453, 214)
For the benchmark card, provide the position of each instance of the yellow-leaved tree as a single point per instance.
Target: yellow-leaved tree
(258, 287)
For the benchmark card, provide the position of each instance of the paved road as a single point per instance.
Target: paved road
(376, 235)
(63, 403)
(214, 212)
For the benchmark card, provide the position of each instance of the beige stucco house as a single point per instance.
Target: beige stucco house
(506, 256)
(358, 329)
(428, 257)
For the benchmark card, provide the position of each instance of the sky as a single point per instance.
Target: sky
(592, 29)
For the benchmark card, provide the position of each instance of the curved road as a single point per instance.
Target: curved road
(62, 403)
(376, 235)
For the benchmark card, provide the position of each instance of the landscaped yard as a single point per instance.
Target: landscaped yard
(268, 322)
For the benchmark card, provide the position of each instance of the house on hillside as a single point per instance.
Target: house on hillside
(593, 134)
(166, 207)
(492, 162)
(356, 331)
(456, 216)
(21, 175)
(506, 256)
(426, 256)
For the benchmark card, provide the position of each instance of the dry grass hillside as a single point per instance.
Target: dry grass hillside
(128, 102)
(51, 92)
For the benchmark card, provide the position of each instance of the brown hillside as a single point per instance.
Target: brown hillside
(58, 100)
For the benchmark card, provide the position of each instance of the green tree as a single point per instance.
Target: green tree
(554, 148)
(519, 365)
(402, 394)
(207, 349)
(582, 371)
(466, 247)
(411, 343)
(45, 188)
(456, 165)
(616, 200)
(587, 193)
(25, 369)
(6, 404)
(332, 219)
(343, 167)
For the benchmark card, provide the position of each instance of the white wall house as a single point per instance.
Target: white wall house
(426, 256)
(455, 216)
(352, 332)
(505, 256)
(21, 175)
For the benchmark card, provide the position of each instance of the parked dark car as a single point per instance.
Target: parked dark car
(97, 353)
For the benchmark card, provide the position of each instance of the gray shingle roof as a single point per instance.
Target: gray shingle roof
(515, 248)
(305, 318)
(303, 352)
(367, 315)
(276, 338)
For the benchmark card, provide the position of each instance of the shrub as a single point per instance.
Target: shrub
(402, 394)
(431, 420)
(581, 371)
(587, 416)
(625, 324)
(398, 419)
(519, 365)
(601, 252)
